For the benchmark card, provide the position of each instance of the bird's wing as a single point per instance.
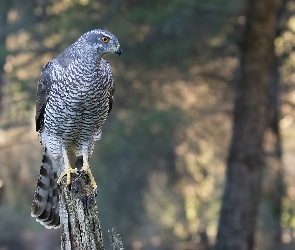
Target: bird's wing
(111, 99)
(97, 134)
(43, 89)
(108, 69)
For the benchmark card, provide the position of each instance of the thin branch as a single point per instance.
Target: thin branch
(115, 239)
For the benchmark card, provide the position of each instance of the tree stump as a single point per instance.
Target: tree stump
(79, 221)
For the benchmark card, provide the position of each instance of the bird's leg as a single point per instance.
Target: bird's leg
(86, 170)
(68, 170)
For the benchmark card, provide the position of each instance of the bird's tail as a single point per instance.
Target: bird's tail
(45, 205)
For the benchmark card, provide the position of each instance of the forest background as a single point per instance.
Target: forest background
(161, 163)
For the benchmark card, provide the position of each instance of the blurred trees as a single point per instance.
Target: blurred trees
(245, 164)
(3, 35)
(160, 162)
(273, 188)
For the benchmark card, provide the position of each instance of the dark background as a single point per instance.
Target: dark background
(160, 165)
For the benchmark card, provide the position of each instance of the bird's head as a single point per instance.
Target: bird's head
(102, 41)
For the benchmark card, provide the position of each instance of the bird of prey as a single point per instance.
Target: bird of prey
(75, 95)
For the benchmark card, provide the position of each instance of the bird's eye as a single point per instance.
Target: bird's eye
(105, 39)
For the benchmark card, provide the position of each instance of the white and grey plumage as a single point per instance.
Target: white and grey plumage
(74, 97)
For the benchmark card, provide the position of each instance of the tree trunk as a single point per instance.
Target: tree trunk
(80, 227)
(274, 187)
(251, 114)
(79, 221)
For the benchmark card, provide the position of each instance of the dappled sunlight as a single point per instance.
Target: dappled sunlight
(160, 165)
(18, 41)
(61, 6)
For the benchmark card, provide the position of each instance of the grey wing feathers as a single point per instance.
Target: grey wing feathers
(111, 99)
(43, 89)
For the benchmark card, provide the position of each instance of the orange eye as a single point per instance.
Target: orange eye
(105, 39)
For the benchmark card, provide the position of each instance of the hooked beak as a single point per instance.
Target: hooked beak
(118, 50)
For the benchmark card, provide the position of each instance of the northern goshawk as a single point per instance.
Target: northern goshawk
(74, 97)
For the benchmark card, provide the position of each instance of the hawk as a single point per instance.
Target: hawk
(75, 95)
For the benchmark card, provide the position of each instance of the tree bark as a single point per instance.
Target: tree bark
(274, 186)
(251, 115)
(80, 226)
(79, 221)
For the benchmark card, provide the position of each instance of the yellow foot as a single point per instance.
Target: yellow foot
(86, 170)
(68, 171)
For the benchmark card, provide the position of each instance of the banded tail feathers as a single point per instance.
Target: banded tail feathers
(45, 207)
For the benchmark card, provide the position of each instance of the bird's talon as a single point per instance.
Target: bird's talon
(67, 172)
(81, 173)
(86, 171)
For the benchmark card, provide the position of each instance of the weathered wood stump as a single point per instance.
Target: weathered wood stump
(79, 221)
